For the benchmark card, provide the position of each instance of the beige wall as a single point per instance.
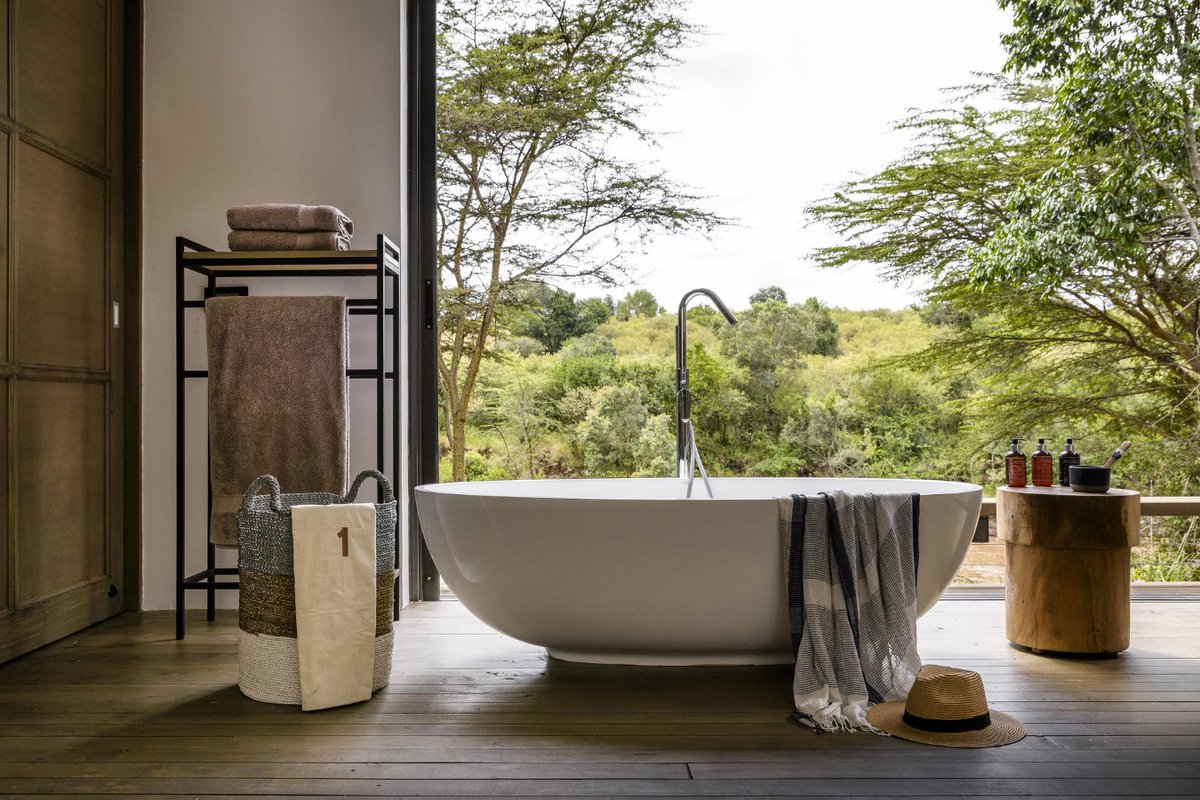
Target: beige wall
(251, 101)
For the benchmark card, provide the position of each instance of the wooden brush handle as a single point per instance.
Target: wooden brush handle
(1120, 451)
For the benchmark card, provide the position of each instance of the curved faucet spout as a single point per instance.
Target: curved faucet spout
(683, 394)
(681, 323)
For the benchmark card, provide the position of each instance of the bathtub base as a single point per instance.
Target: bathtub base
(672, 659)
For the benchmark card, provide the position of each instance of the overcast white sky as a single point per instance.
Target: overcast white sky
(778, 103)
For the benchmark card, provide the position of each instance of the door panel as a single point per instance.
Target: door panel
(61, 258)
(61, 251)
(62, 73)
(60, 496)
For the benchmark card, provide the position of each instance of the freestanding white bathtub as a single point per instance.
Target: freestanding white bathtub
(627, 571)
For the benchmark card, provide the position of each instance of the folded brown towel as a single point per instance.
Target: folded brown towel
(288, 240)
(288, 217)
(277, 398)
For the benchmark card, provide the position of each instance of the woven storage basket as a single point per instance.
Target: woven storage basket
(267, 655)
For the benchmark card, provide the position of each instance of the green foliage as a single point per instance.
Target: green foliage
(1103, 336)
(552, 316)
(524, 346)
(718, 402)
(655, 380)
(591, 345)
(944, 313)
(707, 316)
(771, 341)
(638, 303)
(770, 334)
(1171, 553)
(773, 335)
(768, 293)
(580, 373)
(518, 401)
(597, 310)
(650, 337)
(604, 403)
(612, 429)
(654, 455)
(478, 469)
(1124, 77)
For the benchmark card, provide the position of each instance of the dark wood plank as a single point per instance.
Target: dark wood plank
(830, 787)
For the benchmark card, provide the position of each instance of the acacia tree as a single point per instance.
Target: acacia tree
(1062, 227)
(534, 99)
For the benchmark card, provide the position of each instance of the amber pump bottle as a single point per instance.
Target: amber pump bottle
(1043, 465)
(1015, 467)
(1066, 459)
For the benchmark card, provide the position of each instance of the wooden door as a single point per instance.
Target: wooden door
(61, 376)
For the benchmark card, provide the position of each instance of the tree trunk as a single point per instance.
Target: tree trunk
(458, 445)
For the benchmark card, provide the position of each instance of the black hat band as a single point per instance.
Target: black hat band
(948, 725)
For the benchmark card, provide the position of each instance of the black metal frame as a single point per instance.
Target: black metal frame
(421, 228)
(381, 263)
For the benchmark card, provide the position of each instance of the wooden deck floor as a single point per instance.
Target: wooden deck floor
(124, 709)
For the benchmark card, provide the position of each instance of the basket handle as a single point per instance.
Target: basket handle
(384, 484)
(259, 482)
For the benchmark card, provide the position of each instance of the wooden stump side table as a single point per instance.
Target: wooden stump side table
(1067, 583)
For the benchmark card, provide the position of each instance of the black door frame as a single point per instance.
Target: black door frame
(421, 224)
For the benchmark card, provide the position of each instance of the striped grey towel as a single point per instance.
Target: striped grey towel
(850, 563)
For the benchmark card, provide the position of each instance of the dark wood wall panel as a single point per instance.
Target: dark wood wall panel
(62, 71)
(61, 539)
(3, 56)
(61, 274)
(4, 247)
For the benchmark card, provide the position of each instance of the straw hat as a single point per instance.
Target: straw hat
(946, 707)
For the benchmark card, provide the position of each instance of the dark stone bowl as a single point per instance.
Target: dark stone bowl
(1085, 478)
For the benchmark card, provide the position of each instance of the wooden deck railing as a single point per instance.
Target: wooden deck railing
(1151, 507)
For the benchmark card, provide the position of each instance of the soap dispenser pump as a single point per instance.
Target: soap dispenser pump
(1016, 469)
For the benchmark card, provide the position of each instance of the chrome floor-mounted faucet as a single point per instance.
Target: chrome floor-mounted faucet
(687, 455)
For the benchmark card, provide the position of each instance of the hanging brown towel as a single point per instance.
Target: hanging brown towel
(277, 398)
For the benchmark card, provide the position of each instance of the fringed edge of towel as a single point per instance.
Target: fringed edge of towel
(831, 719)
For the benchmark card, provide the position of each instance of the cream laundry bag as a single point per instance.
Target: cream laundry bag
(333, 550)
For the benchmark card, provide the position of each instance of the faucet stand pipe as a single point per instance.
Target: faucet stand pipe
(683, 394)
